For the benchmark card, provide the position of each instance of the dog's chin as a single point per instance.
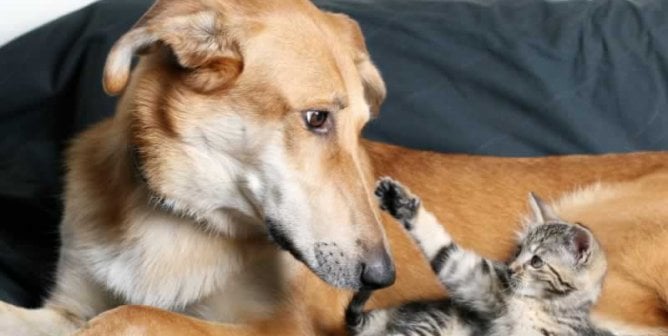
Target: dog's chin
(332, 266)
(340, 278)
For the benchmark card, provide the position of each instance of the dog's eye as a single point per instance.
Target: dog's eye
(536, 262)
(317, 121)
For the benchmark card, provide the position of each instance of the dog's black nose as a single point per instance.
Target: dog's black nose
(378, 270)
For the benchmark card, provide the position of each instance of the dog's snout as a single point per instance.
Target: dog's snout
(378, 270)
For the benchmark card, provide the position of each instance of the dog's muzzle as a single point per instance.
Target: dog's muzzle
(337, 266)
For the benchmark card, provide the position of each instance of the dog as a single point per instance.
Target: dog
(231, 193)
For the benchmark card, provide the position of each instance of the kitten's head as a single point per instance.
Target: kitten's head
(557, 260)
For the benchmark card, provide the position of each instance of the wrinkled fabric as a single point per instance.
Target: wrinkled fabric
(504, 77)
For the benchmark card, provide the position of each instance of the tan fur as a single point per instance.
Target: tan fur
(464, 190)
(196, 101)
(628, 217)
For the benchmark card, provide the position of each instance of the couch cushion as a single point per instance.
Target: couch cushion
(519, 78)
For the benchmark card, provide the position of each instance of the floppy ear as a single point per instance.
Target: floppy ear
(374, 86)
(194, 34)
(540, 211)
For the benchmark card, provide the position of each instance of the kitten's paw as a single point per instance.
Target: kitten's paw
(397, 200)
(354, 314)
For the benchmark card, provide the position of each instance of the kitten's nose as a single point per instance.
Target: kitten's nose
(378, 269)
(515, 267)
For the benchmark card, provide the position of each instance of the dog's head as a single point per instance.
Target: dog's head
(247, 116)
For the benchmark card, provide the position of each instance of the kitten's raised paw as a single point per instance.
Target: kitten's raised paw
(397, 200)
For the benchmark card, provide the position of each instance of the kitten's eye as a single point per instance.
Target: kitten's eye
(317, 121)
(536, 262)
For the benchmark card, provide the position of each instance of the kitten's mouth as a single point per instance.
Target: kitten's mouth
(515, 280)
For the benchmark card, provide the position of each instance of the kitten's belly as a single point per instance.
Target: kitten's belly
(456, 328)
(524, 319)
(453, 329)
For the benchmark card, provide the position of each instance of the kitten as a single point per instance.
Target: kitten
(548, 288)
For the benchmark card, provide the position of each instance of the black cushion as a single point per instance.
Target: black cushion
(520, 78)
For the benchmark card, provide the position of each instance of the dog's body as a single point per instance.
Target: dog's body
(242, 122)
(626, 210)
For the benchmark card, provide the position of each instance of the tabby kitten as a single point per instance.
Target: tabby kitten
(548, 288)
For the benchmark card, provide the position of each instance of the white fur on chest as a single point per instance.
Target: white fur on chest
(173, 263)
(524, 318)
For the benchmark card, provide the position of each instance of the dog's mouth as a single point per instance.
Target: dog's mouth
(283, 240)
(326, 259)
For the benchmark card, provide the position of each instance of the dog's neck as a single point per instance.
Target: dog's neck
(245, 260)
(155, 199)
(136, 164)
(240, 226)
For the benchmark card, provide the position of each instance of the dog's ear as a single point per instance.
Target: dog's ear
(195, 35)
(374, 86)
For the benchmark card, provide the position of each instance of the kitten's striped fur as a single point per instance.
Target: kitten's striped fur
(548, 288)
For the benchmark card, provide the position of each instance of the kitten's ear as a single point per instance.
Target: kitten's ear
(582, 243)
(540, 211)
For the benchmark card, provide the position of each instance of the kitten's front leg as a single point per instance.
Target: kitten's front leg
(369, 323)
(470, 278)
(421, 224)
(355, 318)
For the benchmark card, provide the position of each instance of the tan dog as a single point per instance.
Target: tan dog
(241, 122)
